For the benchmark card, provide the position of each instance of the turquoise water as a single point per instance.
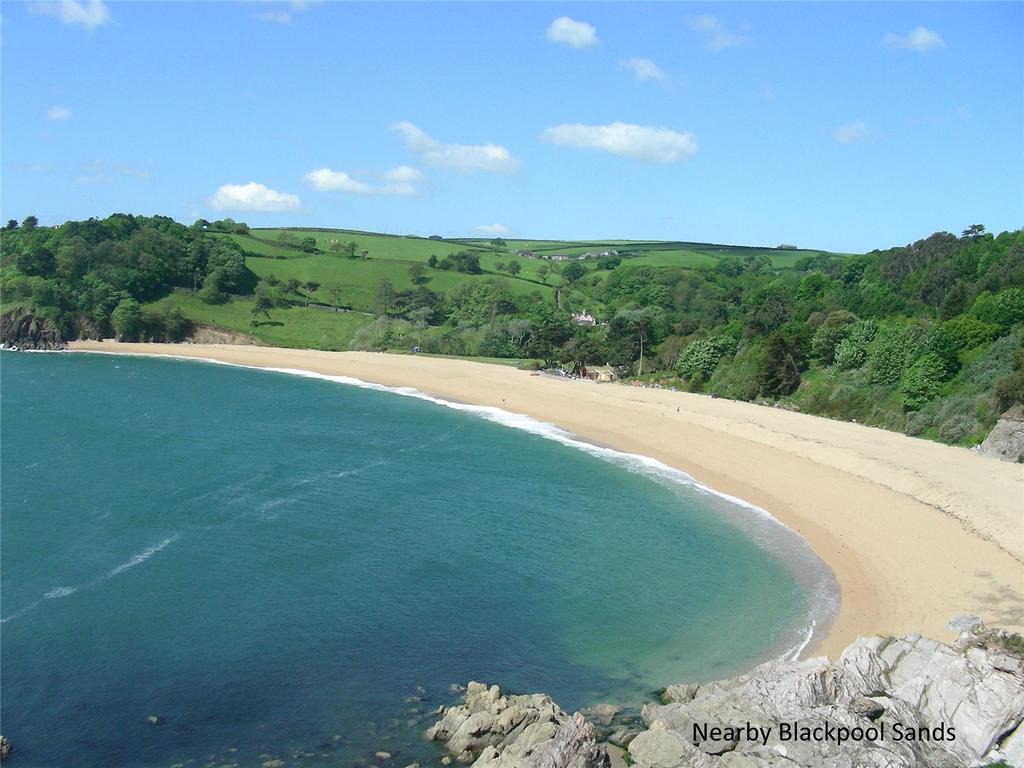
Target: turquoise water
(272, 564)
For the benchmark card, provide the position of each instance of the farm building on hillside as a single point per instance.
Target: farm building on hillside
(583, 318)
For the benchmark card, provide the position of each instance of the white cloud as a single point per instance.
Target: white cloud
(94, 173)
(253, 197)
(919, 39)
(98, 172)
(402, 180)
(640, 142)
(716, 35)
(578, 34)
(275, 17)
(492, 229)
(285, 14)
(466, 158)
(848, 133)
(58, 114)
(326, 180)
(642, 69)
(85, 13)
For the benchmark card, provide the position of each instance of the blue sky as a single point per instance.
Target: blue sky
(830, 125)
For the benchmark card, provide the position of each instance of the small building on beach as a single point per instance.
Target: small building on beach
(600, 373)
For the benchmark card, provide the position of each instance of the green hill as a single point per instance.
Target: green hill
(923, 338)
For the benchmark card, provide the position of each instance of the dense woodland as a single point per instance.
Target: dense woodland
(925, 338)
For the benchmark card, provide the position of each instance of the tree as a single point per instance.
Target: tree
(37, 261)
(973, 231)
(311, 286)
(633, 331)
(432, 261)
(12, 224)
(573, 271)
(547, 339)
(542, 273)
(513, 268)
(498, 242)
(127, 320)
(418, 274)
(337, 294)
(778, 370)
(291, 287)
(420, 318)
(922, 381)
(29, 223)
(383, 299)
(262, 307)
(308, 245)
(176, 326)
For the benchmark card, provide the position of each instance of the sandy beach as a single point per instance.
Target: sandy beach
(914, 531)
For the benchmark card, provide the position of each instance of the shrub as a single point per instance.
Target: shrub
(853, 350)
(700, 358)
(737, 379)
(971, 332)
(128, 320)
(956, 428)
(825, 341)
(922, 381)
(890, 351)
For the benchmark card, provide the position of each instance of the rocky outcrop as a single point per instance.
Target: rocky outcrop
(890, 703)
(885, 703)
(5, 748)
(1006, 440)
(20, 328)
(491, 730)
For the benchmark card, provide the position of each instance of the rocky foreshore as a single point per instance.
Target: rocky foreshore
(885, 703)
(21, 329)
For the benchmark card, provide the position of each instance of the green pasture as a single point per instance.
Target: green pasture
(286, 327)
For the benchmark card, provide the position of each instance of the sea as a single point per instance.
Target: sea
(211, 565)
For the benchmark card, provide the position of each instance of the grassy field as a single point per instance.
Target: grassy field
(290, 327)
(379, 247)
(389, 257)
(358, 279)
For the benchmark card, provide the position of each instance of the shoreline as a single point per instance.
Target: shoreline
(914, 532)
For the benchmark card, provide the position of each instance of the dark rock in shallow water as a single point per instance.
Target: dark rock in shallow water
(22, 329)
(5, 748)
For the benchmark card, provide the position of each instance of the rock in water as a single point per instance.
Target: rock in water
(529, 731)
(963, 703)
(1006, 440)
(22, 329)
(5, 748)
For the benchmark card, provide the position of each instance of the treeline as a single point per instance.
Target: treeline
(91, 278)
(924, 338)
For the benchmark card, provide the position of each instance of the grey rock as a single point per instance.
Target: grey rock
(491, 730)
(910, 682)
(963, 622)
(1006, 440)
(602, 714)
(5, 748)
